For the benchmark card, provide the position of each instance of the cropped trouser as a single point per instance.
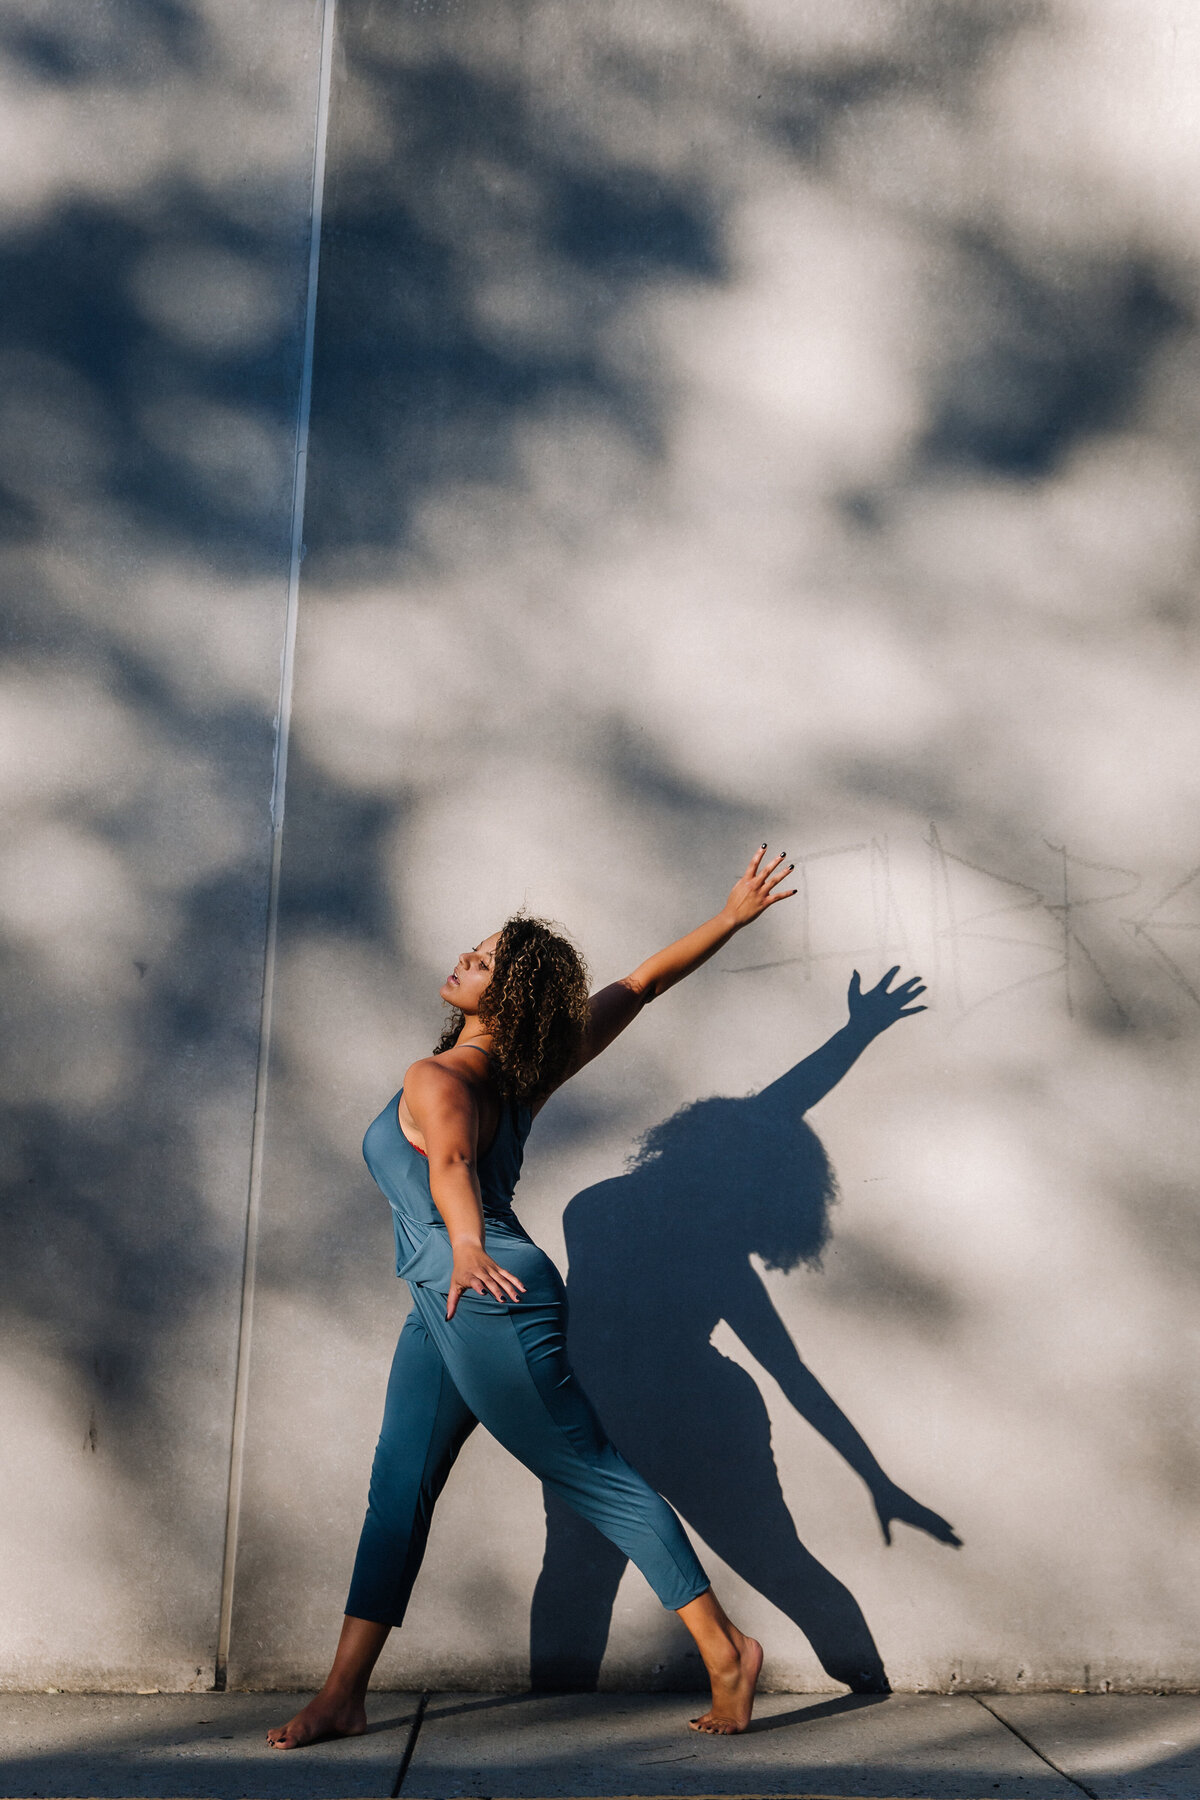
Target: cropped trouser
(504, 1366)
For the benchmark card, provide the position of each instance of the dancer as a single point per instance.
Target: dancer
(485, 1338)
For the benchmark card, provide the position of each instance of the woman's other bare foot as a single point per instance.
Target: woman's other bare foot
(732, 1660)
(733, 1688)
(326, 1716)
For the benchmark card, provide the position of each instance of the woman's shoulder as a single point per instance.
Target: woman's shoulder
(434, 1075)
(454, 1067)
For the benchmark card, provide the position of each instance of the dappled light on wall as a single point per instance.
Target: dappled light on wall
(738, 422)
(730, 421)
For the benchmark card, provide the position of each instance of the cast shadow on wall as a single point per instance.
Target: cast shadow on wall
(658, 1257)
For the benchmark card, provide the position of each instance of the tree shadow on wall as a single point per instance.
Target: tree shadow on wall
(659, 1257)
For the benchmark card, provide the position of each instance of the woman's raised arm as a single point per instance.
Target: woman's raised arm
(614, 1007)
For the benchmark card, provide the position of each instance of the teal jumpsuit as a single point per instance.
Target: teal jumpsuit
(499, 1363)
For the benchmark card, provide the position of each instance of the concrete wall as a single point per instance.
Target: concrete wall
(155, 197)
(729, 422)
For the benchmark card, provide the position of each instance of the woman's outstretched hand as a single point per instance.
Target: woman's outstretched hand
(474, 1269)
(755, 891)
(882, 1005)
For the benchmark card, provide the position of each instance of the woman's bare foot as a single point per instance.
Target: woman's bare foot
(733, 1685)
(338, 1710)
(326, 1716)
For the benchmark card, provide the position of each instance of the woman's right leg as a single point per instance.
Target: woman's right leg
(425, 1424)
(339, 1710)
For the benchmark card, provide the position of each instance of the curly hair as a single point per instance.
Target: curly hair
(535, 1005)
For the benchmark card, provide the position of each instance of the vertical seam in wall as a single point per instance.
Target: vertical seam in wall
(278, 786)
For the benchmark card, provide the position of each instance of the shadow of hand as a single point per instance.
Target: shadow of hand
(894, 1506)
(882, 1005)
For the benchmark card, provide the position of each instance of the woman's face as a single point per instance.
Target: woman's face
(465, 985)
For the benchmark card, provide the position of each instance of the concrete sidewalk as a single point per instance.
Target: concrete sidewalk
(994, 1747)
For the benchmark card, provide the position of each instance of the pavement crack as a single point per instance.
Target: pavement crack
(413, 1733)
(1030, 1745)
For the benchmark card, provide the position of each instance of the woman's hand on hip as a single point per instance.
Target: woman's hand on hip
(474, 1269)
(755, 891)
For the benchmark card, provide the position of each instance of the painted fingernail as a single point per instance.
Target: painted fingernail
(764, 846)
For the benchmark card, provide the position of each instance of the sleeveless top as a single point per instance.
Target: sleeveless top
(423, 1253)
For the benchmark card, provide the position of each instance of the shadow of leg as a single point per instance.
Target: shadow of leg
(572, 1603)
(710, 1456)
(826, 1612)
(748, 1524)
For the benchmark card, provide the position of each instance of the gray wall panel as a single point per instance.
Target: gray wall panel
(154, 216)
(744, 421)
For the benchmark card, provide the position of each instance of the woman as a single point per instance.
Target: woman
(485, 1338)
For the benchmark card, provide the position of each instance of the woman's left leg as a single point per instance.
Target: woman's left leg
(732, 1660)
(509, 1364)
